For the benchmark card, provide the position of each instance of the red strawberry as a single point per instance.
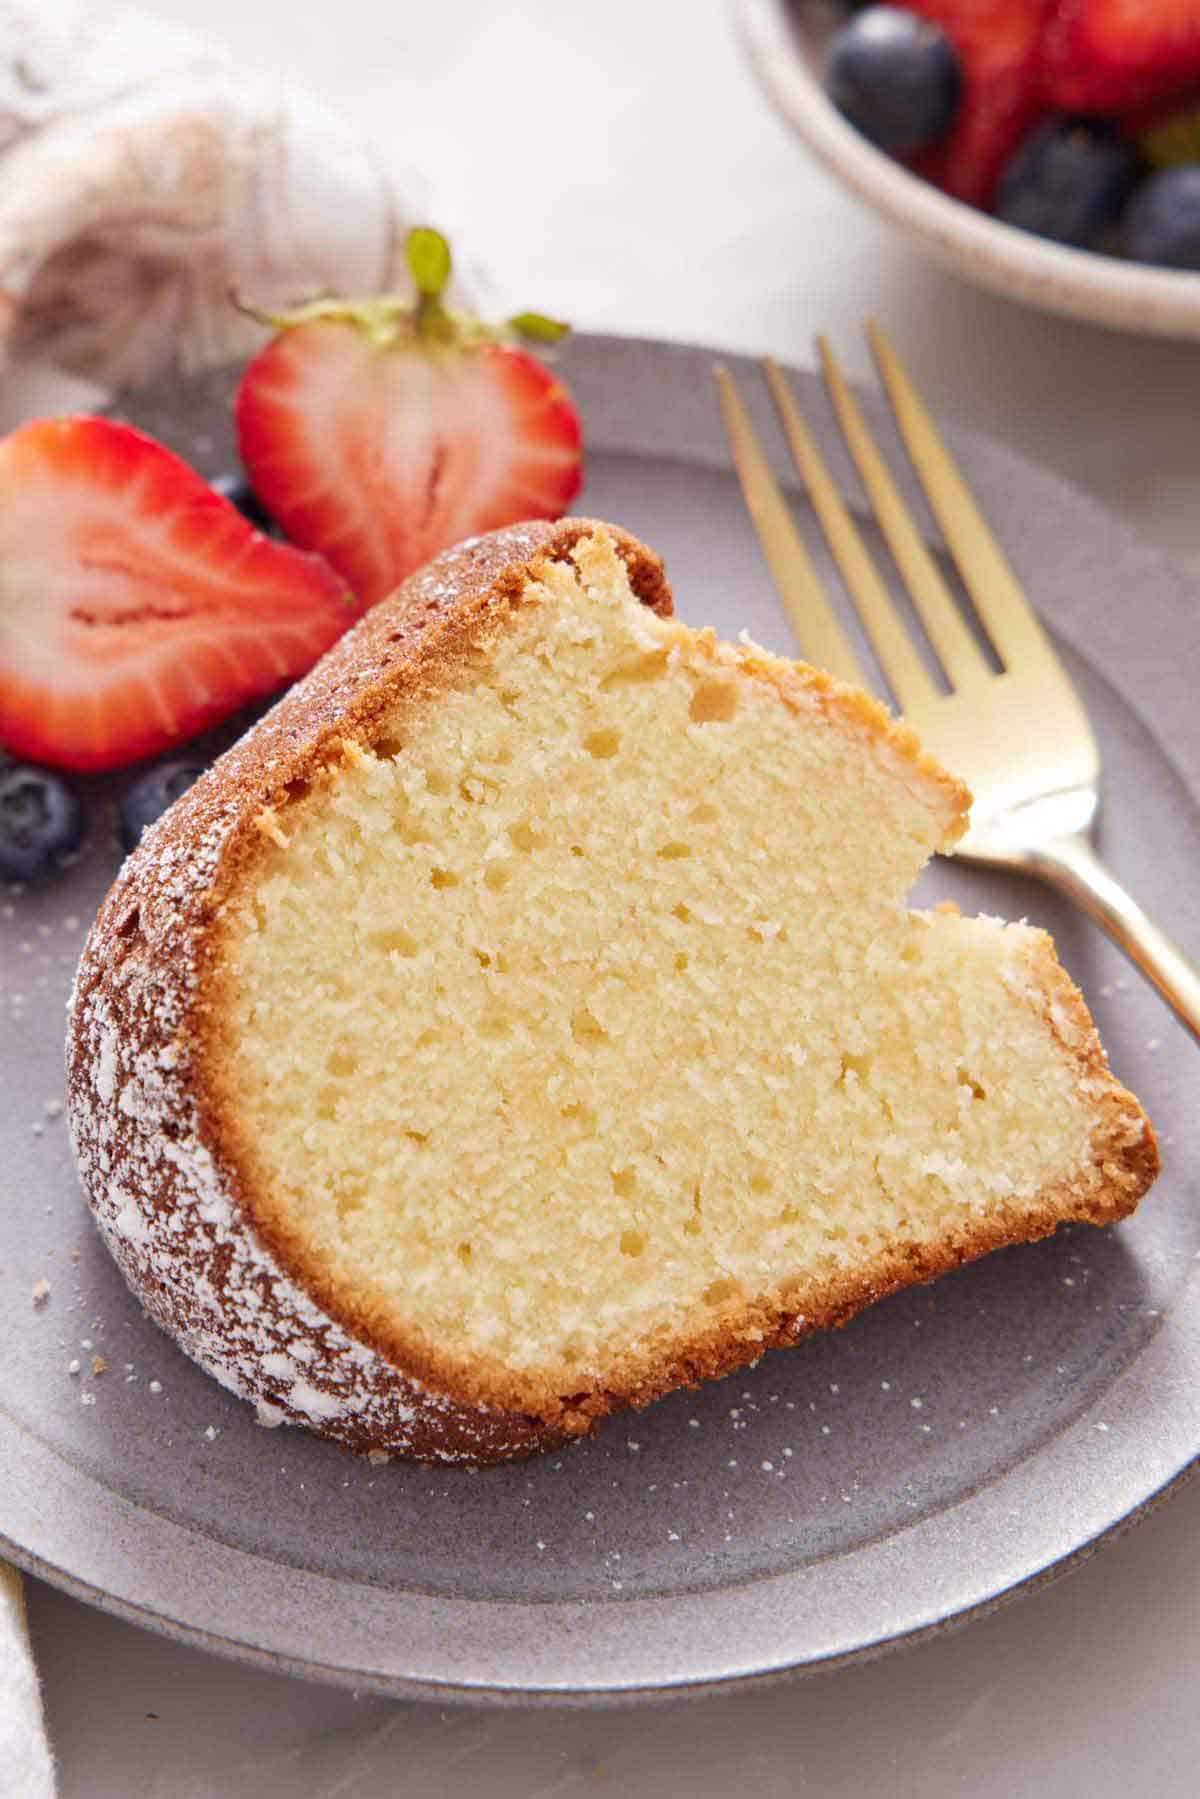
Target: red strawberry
(1111, 55)
(136, 605)
(999, 47)
(380, 433)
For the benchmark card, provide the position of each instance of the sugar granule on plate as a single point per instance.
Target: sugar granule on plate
(156, 1386)
(40, 1291)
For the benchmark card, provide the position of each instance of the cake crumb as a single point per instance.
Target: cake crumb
(267, 822)
(40, 1291)
(378, 1457)
(98, 1364)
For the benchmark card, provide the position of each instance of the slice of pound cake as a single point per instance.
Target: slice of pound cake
(525, 1019)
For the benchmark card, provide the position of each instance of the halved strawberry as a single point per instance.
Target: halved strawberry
(380, 432)
(999, 47)
(136, 605)
(1112, 55)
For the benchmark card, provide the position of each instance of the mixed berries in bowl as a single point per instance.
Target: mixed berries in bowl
(1079, 120)
(146, 612)
(1047, 148)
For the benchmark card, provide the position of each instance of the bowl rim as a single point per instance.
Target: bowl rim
(1082, 284)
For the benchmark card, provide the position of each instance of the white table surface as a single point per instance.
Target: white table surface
(611, 161)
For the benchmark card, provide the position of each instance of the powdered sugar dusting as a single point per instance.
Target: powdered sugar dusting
(166, 1208)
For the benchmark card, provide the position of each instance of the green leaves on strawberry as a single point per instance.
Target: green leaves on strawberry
(380, 431)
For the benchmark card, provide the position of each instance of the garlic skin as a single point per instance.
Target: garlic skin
(144, 177)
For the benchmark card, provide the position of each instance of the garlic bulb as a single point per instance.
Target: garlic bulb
(144, 177)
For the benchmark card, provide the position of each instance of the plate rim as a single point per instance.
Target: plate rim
(42, 1544)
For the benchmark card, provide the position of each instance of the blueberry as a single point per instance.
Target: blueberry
(150, 796)
(41, 820)
(1069, 181)
(1162, 224)
(237, 489)
(895, 77)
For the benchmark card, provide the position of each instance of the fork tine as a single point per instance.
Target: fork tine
(906, 673)
(817, 629)
(956, 649)
(998, 598)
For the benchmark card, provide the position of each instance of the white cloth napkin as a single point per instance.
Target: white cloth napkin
(26, 1768)
(143, 177)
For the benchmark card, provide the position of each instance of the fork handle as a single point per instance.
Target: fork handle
(1071, 864)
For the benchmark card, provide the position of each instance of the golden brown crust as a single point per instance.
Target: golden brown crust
(195, 1227)
(150, 1132)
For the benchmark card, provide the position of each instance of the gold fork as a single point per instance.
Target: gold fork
(1020, 738)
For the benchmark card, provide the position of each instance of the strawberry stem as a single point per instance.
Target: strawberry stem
(391, 321)
(428, 256)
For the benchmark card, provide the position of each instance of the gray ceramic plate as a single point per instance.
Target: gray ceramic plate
(950, 1447)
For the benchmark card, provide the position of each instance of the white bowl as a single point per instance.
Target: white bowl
(785, 43)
